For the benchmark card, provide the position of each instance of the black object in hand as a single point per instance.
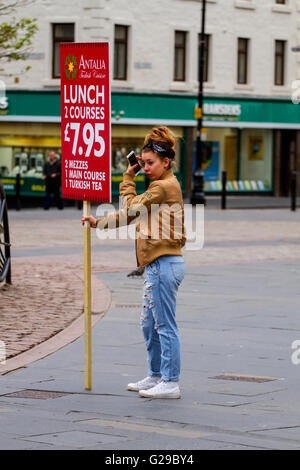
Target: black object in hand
(133, 161)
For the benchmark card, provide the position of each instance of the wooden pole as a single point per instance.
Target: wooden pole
(87, 298)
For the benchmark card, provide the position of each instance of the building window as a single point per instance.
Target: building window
(120, 52)
(280, 2)
(242, 65)
(206, 56)
(180, 56)
(61, 32)
(279, 63)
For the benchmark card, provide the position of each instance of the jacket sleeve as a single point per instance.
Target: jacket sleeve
(132, 204)
(155, 194)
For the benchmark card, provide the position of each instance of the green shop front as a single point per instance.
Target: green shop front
(245, 137)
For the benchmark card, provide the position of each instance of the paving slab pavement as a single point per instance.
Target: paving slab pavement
(238, 317)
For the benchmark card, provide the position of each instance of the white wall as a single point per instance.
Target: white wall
(152, 25)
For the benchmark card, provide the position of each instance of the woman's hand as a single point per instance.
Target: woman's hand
(130, 168)
(90, 219)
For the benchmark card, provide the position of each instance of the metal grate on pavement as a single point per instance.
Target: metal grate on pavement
(36, 394)
(245, 378)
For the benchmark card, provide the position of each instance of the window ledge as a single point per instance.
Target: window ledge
(122, 84)
(281, 89)
(209, 85)
(244, 4)
(281, 9)
(246, 87)
(51, 82)
(180, 86)
(208, 1)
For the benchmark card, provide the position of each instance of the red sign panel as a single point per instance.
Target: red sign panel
(85, 121)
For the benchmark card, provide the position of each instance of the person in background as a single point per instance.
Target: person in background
(52, 178)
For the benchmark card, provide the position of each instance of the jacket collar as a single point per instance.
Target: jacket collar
(167, 174)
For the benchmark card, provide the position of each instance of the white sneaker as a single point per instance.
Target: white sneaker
(162, 390)
(144, 384)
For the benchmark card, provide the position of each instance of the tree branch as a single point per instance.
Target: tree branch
(10, 6)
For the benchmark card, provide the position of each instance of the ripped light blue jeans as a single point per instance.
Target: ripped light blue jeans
(158, 322)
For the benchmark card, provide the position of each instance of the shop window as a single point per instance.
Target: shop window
(246, 156)
(120, 148)
(120, 52)
(61, 32)
(242, 65)
(29, 161)
(5, 161)
(279, 77)
(180, 56)
(206, 55)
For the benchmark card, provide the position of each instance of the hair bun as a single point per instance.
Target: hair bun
(161, 134)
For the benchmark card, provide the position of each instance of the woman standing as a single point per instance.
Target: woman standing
(160, 237)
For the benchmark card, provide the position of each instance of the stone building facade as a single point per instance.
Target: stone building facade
(251, 125)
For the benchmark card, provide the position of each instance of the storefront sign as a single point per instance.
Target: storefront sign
(3, 98)
(224, 110)
(174, 110)
(3, 102)
(85, 121)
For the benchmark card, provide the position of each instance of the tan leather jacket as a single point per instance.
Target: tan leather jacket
(158, 214)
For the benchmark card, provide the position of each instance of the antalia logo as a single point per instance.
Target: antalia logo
(91, 68)
(91, 64)
(71, 64)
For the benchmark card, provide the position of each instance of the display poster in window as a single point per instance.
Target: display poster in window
(211, 160)
(85, 121)
(256, 148)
